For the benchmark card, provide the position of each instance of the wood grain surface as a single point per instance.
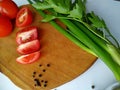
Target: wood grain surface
(61, 60)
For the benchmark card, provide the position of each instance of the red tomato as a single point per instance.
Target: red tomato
(29, 58)
(26, 35)
(29, 47)
(5, 26)
(8, 8)
(24, 17)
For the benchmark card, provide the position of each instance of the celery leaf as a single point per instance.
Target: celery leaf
(60, 6)
(96, 21)
(48, 18)
(42, 5)
(78, 10)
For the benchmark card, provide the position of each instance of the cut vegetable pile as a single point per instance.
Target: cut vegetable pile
(86, 30)
(27, 37)
(28, 45)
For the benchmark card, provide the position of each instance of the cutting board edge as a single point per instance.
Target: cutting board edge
(13, 78)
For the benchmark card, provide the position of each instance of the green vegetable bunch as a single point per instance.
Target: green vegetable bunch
(86, 30)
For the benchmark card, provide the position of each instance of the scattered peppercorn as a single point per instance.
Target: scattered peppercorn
(46, 81)
(93, 86)
(37, 76)
(34, 72)
(33, 75)
(35, 79)
(42, 80)
(37, 82)
(45, 85)
(40, 75)
(44, 70)
(48, 65)
(40, 65)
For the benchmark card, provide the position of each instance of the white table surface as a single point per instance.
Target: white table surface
(98, 74)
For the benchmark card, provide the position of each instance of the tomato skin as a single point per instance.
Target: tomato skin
(26, 35)
(8, 8)
(29, 47)
(29, 58)
(24, 17)
(5, 26)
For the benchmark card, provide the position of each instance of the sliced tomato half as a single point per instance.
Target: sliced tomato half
(24, 17)
(26, 35)
(29, 58)
(29, 47)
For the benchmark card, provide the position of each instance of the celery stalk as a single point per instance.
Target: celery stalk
(100, 52)
(81, 35)
(68, 35)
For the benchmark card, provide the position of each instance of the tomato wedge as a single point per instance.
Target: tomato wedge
(26, 35)
(29, 58)
(29, 47)
(24, 17)
(5, 26)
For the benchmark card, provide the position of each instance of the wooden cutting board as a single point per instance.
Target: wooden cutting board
(61, 60)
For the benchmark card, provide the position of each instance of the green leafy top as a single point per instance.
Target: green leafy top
(75, 11)
(60, 6)
(96, 21)
(78, 10)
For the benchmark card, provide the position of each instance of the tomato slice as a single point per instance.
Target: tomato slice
(26, 35)
(5, 26)
(24, 17)
(29, 58)
(29, 47)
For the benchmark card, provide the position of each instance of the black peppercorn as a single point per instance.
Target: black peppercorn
(42, 80)
(34, 72)
(48, 65)
(93, 86)
(33, 75)
(40, 65)
(37, 82)
(35, 79)
(44, 70)
(45, 85)
(35, 85)
(40, 75)
(46, 81)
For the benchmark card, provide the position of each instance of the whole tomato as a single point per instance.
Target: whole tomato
(8, 8)
(5, 26)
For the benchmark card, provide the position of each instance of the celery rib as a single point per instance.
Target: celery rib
(81, 36)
